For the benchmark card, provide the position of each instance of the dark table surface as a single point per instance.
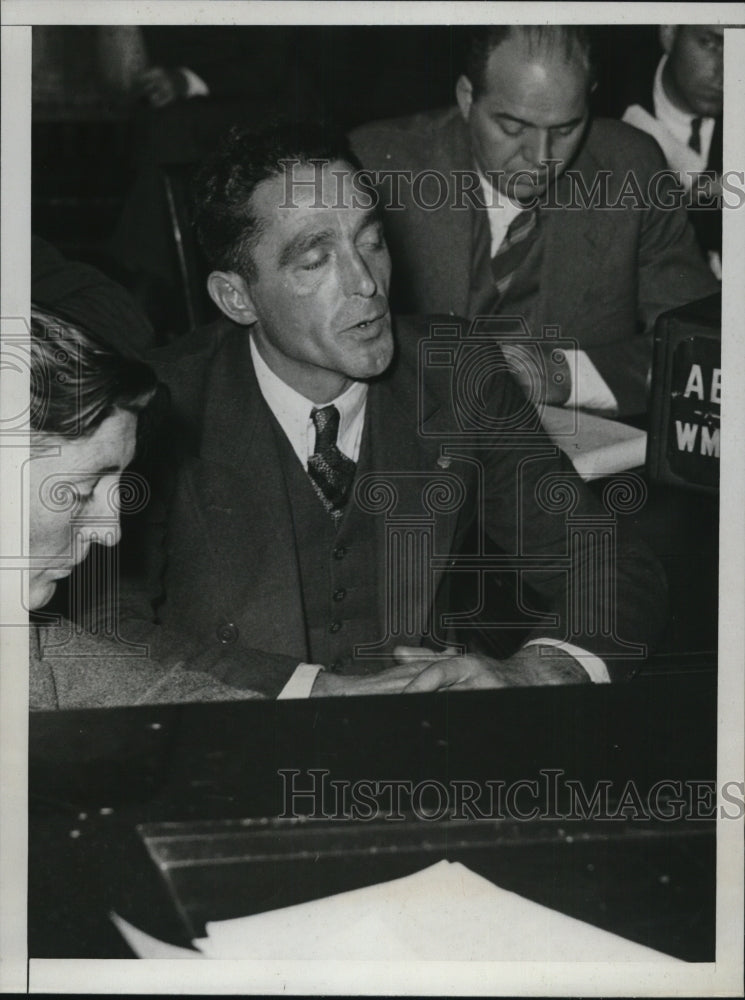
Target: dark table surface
(103, 783)
(97, 776)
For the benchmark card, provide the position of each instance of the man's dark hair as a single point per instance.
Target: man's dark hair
(226, 225)
(572, 40)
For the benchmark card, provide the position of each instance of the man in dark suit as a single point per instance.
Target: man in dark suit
(331, 477)
(679, 101)
(515, 203)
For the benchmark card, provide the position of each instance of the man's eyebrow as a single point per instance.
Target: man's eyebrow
(523, 121)
(302, 243)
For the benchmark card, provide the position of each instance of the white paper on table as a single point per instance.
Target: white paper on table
(146, 946)
(444, 912)
(597, 446)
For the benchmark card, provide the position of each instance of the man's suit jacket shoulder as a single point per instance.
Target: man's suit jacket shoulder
(188, 364)
(619, 147)
(439, 140)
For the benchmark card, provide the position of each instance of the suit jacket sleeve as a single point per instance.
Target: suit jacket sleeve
(70, 669)
(177, 611)
(533, 501)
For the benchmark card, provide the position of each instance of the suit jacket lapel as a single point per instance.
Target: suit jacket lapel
(254, 512)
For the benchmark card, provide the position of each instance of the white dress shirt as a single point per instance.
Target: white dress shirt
(292, 411)
(588, 388)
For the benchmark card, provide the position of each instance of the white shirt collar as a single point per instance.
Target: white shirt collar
(679, 122)
(292, 411)
(499, 210)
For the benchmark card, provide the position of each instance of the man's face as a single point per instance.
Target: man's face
(695, 69)
(320, 288)
(533, 108)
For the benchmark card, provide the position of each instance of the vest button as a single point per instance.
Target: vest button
(227, 633)
(335, 667)
(340, 594)
(339, 552)
(334, 627)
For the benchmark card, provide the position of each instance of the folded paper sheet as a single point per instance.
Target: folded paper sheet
(445, 912)
(146, 946)
(597, 446)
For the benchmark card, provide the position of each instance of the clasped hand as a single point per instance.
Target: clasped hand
(419, 670)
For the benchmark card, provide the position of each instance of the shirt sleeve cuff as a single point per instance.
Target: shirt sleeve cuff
(591, 664)
(301, 682)
(195, 85)
(589, 390)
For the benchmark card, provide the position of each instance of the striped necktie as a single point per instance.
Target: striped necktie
(331, 472)
(514, 248)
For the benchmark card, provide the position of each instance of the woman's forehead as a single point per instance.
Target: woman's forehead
(108, 449)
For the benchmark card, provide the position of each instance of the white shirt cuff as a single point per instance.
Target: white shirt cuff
(195, 85)
(301, 682)
(589, 390)
(591, 664)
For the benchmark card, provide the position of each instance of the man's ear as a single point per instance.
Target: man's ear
(667, 37)
(230, 294)
(464, 96)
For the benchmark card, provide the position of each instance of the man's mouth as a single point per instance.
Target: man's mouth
(369, 323)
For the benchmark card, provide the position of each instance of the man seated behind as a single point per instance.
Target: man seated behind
(680, 103)
(330, 479)
(515, 202)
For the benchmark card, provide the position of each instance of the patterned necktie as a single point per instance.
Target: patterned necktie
(695, 141)
(514, 248)
(331, 472)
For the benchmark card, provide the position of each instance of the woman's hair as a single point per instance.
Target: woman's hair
(77, 382)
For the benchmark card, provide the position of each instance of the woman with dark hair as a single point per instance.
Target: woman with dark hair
(85, 402)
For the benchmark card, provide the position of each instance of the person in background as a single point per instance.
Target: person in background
(680, 103)
(531, 236)
(85, 402)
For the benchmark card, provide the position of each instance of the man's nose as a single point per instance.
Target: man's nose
(102, 526)
(537, 147)
(357, 279)
(718, 71)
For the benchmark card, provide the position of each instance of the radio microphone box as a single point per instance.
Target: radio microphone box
(684, 423)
